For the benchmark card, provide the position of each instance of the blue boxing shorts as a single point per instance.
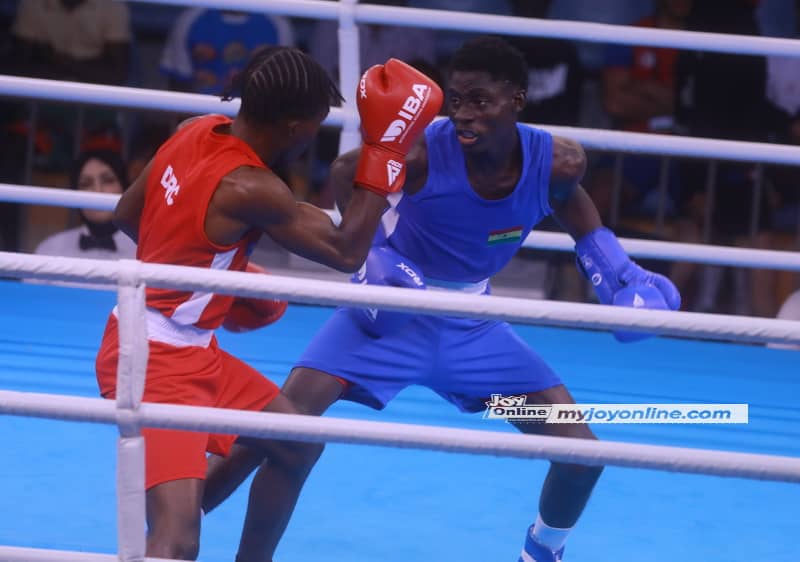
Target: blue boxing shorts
(463, 360)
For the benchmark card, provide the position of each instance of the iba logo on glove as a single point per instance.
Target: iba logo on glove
(407, 113)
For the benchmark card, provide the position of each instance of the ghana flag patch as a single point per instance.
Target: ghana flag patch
(512, 234)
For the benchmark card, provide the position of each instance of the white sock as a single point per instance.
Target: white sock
(551, 537)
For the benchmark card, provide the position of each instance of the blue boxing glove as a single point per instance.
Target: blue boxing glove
(619, 281)
(384, 266)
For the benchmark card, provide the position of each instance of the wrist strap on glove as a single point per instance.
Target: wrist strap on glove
(379, 170)
(604, 262)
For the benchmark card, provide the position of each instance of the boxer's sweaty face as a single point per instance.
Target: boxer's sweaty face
(482, 109)
(299, 136)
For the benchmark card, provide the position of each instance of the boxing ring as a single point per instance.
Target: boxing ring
(440, 485)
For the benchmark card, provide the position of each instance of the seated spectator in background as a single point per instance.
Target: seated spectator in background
(790, 310)
(639, 96)
(723, 96)
(783, 92)
(80, 40)
(555, 74)
(96, 237)
(714, 88)
(618, 12)
(447, 42)
(555, 79)
(206, 48)
(776, 17)
(377, 43)
(75, 40)
(784, 187)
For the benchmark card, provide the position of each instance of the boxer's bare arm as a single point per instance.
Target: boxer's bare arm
(129, 207)
(257, 198)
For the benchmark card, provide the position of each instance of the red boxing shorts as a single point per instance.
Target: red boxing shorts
(195, 376)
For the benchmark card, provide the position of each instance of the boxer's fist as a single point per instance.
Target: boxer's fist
(395, 102)
(619, 281)
(385, 267)
(248, 314)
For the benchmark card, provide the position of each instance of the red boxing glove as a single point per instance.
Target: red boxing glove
(396, 102)
(248, 314)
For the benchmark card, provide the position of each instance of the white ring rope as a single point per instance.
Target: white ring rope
(490, 23)
(19, 554)
(541, 240)
(529, 311)
(70, 198)
(115, 96)
(641, 143)
(361, 432)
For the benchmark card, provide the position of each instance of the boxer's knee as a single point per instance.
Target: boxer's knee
(295, 458)
(173, 521)
(166, 543)
(579, 474)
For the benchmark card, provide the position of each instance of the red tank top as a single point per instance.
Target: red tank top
(183, 177)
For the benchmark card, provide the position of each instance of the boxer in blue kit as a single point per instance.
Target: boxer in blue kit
(475, 186)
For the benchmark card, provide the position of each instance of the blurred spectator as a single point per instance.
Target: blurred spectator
(715, 88)
(80, 40)
(207, 47)
(639, 82)
(776, 17)
(783, 91)
(639, 95)
(97, 237)
(77, 40)
(555, 74)
(723, 96)
(555, 77)
(790, 310)
(377, 43)
(619, 12)
(447, 42)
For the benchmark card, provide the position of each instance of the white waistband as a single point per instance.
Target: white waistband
(477, 288)
(165, 330)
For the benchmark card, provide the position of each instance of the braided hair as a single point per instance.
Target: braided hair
(283, 83)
